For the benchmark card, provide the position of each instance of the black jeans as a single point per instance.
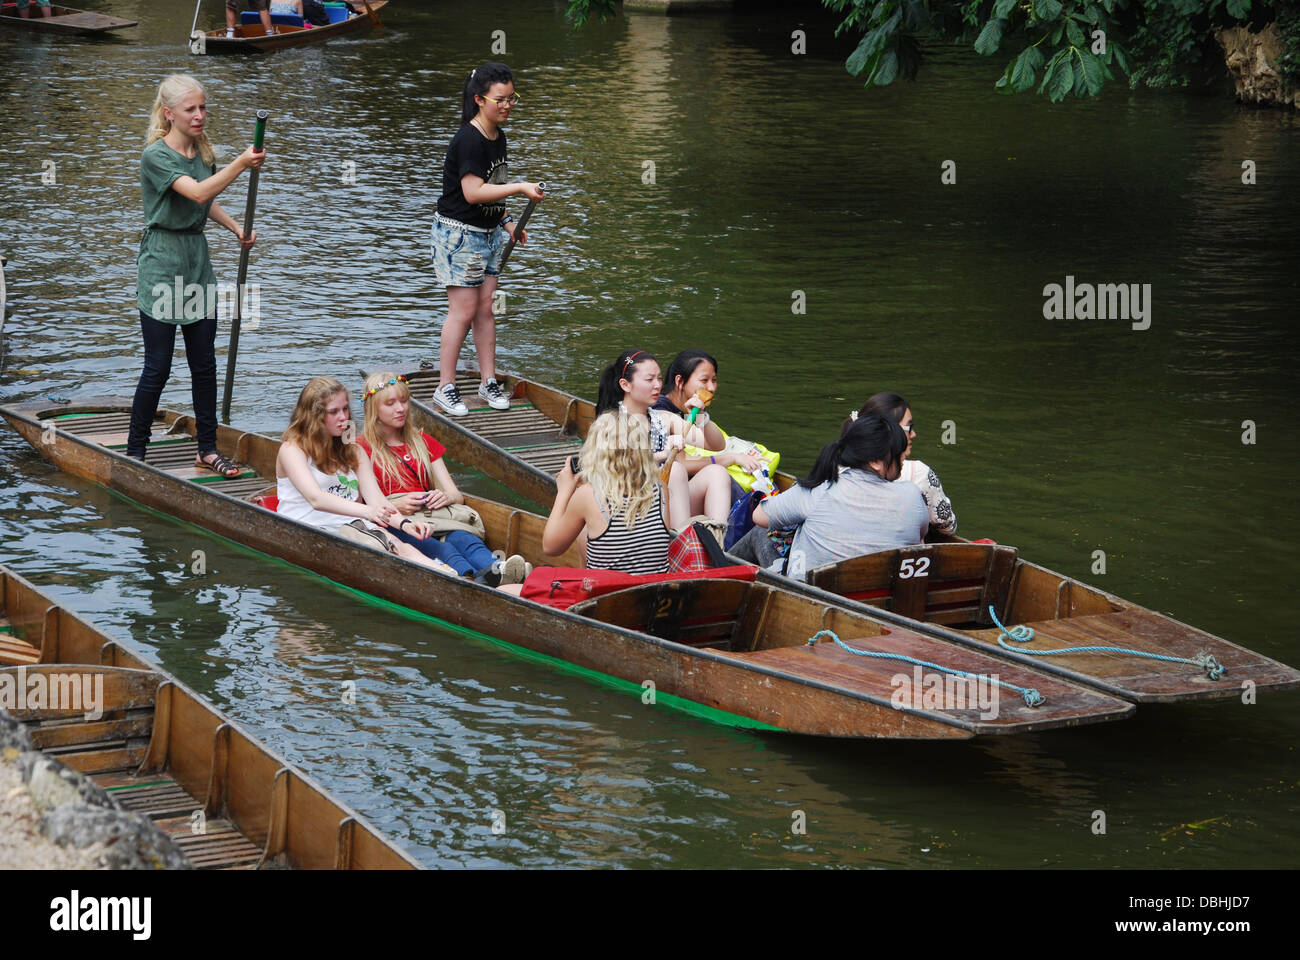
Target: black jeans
(159, 345)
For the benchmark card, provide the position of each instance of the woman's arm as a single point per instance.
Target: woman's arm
(476, 190)
(568, 516)
(205, 191)
(217, 215)
(447, 491)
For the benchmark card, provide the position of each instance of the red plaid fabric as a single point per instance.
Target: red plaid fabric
(686, 554)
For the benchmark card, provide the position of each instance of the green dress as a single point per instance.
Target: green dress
(173, 245)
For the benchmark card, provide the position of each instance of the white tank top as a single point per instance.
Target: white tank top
(295, 506)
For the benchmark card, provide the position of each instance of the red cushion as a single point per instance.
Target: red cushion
(270, 502)
(562, 587)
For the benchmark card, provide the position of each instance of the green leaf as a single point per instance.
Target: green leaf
(1092, 76)
(990, 37)
(1047, 10)
(1075, 33)
(887, 72)
(867, 46)
(1077, 82)
(1056, 34)
(1022, 77)
(1003, 7)
(1005, 80)
(1122, 60)
(1058, 79)
(1237, 9)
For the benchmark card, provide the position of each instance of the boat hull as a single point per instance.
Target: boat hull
(69, 20)
(253, 39)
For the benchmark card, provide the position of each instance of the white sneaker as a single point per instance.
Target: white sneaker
(491, 392)
(515, 569)
(448, 397)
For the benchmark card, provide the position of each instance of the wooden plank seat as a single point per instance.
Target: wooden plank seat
(945, 583)
(14, 649)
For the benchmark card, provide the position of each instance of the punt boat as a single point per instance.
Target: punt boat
(736, 649)
(63, 20)
(253, 38)
(951, 588)
(161, 750)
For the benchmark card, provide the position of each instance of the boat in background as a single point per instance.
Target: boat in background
(64, 20)
(162, 751)
(737, 651)
(252, 37)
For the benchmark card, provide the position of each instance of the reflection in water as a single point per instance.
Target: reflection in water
(773, 173)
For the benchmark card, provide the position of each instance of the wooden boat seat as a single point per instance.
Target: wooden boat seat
(696, 613)
(946, 583)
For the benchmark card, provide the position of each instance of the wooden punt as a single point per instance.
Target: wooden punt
(729, 646)
(947, 589)
(65, 20)
(160, 750)
(525, 446)
(253, 38)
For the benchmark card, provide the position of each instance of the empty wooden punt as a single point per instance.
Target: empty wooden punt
(64, 20)
(947, 589)
(523, 447)
(749, 687)
(162, 751)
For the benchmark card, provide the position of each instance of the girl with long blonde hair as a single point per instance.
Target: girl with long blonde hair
(325, 480)
(615, 499)
(408, 467)
(175, 285)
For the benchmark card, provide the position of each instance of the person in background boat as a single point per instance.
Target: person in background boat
(615, 499)
(893, 407)
(632, 384)
(25, 8)
(690, 372)
(846, 507)
(409, 469)
(287, 8)
(179, 183)
(470, 231)
(232, 15)
(326, 480)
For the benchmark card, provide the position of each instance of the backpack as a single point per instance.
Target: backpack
(313, 11)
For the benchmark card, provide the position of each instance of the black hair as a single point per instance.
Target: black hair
(885, 404)
(478, 83)
(868, 438)
(611, 394)
(684, 365)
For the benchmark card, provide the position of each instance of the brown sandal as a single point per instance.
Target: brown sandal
(222, 466)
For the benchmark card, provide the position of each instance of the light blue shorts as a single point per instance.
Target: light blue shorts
(464, 256)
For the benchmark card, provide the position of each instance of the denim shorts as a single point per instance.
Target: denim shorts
(462, 256)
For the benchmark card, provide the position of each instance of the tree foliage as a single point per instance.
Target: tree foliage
(1056, 47)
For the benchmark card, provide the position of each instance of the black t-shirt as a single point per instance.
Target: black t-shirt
(471, 152)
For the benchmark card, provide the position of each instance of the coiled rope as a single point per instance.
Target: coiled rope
(1031, 696)
(1022, 634)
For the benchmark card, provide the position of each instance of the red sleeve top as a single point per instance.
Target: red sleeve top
(411, 478)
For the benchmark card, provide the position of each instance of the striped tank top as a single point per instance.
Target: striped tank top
(643, 549)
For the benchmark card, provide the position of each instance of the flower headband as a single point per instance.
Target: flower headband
(392, 381)
(628, 363)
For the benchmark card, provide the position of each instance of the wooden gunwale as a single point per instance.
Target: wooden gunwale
(722, 681)
(161, 750)
(70, 20)
(1147, 682)
(252, 38)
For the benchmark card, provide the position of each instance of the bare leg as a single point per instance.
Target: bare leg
(232, 19)
(461, 304)
(711, 493)
(679, 497)
(408, 552)
(266, 19)
(485, 330)
(47, 11)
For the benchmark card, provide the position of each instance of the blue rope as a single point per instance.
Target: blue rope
(1031, 696)
(1021, 634)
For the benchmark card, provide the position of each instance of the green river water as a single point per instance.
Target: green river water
(774, 174)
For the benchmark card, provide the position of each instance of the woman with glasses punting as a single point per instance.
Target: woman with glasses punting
(471, 229)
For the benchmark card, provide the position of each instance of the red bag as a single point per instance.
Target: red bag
(695, 550)
(562, 587)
